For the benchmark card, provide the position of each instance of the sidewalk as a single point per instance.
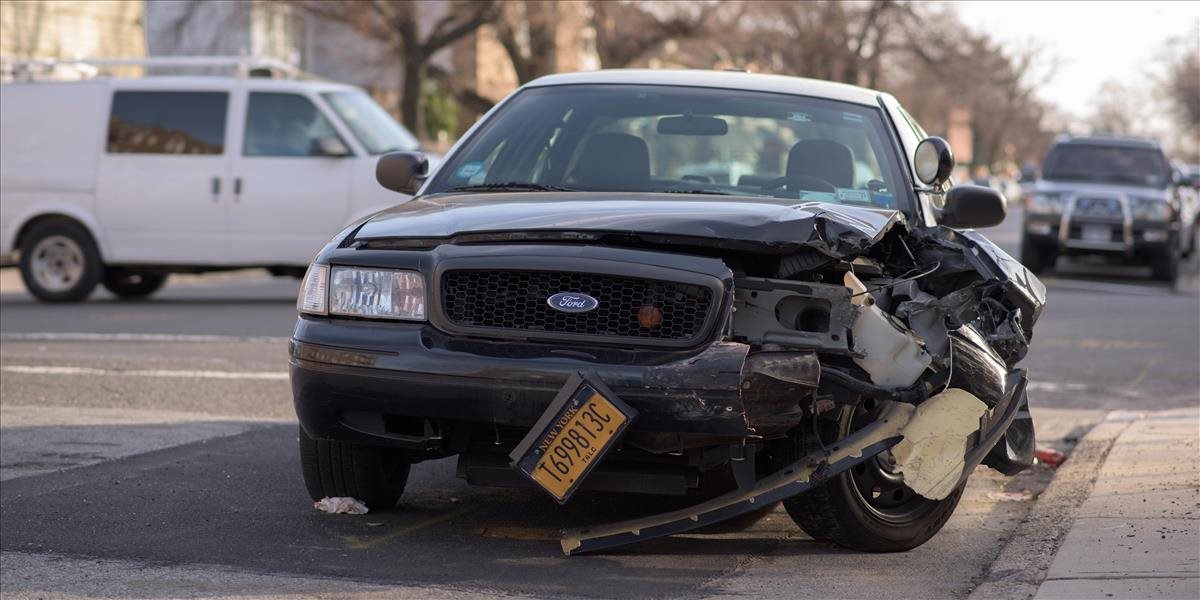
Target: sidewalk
(1137, 535)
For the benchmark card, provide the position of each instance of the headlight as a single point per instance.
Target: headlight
(1151, 209)
(312, 292)
(377, 293)
(1045, 204)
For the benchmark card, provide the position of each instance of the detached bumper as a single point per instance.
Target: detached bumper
(396, 384)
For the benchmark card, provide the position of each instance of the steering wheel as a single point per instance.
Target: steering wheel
(779, 182)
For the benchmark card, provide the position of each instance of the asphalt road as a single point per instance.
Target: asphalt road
(149, 448)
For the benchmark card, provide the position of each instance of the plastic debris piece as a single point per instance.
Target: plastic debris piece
(1049, 456)
(341, 505)
(1022, 496)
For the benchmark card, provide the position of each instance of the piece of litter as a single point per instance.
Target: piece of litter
(1011, 496)
(341, 505)
(454, 500)
(374, 524)
(1049, 456)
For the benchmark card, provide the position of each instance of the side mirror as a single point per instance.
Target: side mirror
(402, 171)
(972, 207)
(330, 145)
(933, 161)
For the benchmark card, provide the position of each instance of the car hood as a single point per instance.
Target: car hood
(752, 223)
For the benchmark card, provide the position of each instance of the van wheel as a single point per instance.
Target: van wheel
(1034, 258)
(60, 262)
(866, 508)
(132, 284)
(372, 474)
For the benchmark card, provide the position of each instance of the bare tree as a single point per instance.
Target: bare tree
(528, 29)
(397, 25)
(1181, 88)
(628, 31)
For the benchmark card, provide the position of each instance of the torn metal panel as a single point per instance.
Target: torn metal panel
(796, 478)
(773, 386)
(811, 316)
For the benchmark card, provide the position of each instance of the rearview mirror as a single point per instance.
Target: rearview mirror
(933, 161)
(402, 171)
(972, 207)
(330, 145)
(692, 125)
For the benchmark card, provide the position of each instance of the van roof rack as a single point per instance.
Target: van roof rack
(243, 66)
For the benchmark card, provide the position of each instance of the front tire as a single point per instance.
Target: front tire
(129, 285)
(60, 261)
(372, 474)
(1034, 258)
(867, 508)
(1166, 266)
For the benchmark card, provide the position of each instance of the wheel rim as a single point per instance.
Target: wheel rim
(880, 489)
(57, 263)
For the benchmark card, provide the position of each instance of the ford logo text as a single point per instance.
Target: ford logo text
(572, 302)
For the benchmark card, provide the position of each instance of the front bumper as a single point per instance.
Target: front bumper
(402, 384)
(1052, 233)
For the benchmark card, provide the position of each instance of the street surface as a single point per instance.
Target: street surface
(149, 448)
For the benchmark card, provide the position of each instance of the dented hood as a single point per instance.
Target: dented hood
(761, 224)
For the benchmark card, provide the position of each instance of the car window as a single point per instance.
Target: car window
(375, 129)
(167, 122)
(284, 125)
(644, 138)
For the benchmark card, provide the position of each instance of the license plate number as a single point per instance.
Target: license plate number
(584, 422)
(1097, 233)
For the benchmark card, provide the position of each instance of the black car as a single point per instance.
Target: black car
(567, 304)
(1111, 197)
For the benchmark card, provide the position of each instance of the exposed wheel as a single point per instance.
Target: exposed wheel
(60, 261)
(132, 284)
(1166, 266)
(372, 474)
(1034, 258)
(867, 508)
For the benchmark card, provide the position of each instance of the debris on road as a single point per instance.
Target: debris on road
(1049, 456)
(341, 505)
(1021, 496)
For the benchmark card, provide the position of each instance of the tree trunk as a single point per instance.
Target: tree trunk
(410, 96)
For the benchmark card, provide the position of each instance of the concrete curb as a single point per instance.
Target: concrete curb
(1022, 564)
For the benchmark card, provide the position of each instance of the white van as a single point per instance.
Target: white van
(122, 181)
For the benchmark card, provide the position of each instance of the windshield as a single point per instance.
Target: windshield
(638, 138)
(375, 129)
(1115, 164)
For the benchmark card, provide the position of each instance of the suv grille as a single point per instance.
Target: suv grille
(516, 301)
(1099, 207)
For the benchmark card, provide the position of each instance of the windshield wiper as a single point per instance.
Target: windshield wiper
(697, 191)
(510, 186)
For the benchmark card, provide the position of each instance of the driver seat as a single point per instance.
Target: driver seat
(822, 159)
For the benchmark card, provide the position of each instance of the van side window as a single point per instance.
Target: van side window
(167, 122)
(285, 125)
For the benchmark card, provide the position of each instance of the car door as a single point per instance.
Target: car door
(291, 180)
(160, 189)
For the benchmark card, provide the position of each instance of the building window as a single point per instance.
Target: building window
(167, 122)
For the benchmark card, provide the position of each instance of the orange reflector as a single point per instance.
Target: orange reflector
(650, 316)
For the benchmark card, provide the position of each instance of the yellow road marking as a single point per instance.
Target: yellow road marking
(353, 542)
(1145, 370)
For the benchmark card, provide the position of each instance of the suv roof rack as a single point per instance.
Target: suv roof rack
(243, 66)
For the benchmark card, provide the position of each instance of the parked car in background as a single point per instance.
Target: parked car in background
(1113, 197)
(122, 181)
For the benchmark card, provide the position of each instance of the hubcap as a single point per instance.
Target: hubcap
(57, 263)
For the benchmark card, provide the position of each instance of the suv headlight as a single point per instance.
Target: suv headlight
(377, 293)
(1045, 204)
(1152, 209)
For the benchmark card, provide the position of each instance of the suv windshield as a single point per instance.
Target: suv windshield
(1115, 164)
(375, 129)
(643, 138)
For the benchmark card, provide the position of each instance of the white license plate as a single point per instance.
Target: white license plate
(1097, 233)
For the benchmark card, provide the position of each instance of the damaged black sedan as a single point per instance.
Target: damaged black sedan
(746, 288)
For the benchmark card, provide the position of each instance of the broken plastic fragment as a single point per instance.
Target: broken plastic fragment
(932, 454)
(1049, 456)
(341, 505)
(892, 356)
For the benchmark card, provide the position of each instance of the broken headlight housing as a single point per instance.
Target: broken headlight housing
(1151, 209)
(1045, 204)
(367, 293)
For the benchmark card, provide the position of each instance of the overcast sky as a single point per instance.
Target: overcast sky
(1092, 41)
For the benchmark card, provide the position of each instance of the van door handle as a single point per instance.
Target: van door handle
(237, 189)
(216, 188)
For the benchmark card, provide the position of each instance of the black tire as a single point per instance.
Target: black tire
(372, 474)
(129, 285)
(1165, 266)
(1034, 258)
(77, 255)
(839, 511)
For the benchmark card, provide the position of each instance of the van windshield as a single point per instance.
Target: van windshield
(675, 139)
(375, 129)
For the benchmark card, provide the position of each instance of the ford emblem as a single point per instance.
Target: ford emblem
(572, 302)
